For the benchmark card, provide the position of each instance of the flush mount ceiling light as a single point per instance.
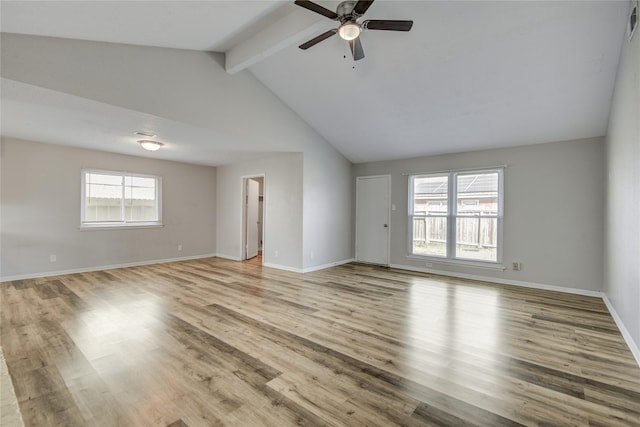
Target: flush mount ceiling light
(349, 31)
(150, 145)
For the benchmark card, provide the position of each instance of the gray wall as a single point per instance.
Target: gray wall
(553, 211)
(40, 211)
(622, 261)
(192, 87)
(307, 204)
(326, 208)
(282, 209)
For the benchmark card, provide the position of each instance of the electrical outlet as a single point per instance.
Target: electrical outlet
(275, 253)
(179, 247)
(53, 258)
(516, 266)
(428, 264)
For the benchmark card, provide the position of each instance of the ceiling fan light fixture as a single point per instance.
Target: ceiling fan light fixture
(349, 30)
(150, 145)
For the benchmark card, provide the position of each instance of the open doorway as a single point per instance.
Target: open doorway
(253, 217)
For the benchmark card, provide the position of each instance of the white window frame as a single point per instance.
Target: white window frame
(93, 225)
(452, 215)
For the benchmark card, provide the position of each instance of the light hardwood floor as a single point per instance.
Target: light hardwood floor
(9, 412)
(217, 342)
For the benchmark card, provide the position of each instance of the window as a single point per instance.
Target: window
(120, 199)
(457, 215)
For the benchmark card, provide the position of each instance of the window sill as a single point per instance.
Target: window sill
(98, 227)
(462, 263)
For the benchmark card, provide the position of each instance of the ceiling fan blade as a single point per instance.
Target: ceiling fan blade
(317, 39)
(377, 24)
(317, 8)
(356, 49)
(361, 7)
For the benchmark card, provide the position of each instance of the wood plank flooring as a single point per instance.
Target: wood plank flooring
(214, 342)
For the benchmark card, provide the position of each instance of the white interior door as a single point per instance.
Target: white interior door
(253, 206)
(372, 219)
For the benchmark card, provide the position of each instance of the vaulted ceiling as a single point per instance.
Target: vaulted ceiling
(469, 75)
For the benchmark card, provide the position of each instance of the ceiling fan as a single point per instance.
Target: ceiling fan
(348, 14)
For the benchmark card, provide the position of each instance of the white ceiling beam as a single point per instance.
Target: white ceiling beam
(295, 26)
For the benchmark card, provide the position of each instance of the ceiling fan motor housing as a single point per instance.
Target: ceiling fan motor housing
(345, 11)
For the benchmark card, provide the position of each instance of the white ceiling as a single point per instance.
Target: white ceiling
(470, 75)
(195, 25)
(80, 122)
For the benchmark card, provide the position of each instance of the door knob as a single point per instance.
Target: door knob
(385, 226)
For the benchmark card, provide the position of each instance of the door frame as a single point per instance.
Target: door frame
(388, 178)
(243, 226)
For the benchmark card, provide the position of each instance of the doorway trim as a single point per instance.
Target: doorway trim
(243, 225)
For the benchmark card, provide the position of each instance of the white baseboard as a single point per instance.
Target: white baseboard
(282, 267)
(231, 257)
(625, 333)
(583, 292)
(308, 269)
(161, 261)
(101, 267)
(329, 265)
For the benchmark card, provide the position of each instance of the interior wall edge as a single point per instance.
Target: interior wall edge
(282, 267)
(328, 265)
(635, 349)
(229, 257)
